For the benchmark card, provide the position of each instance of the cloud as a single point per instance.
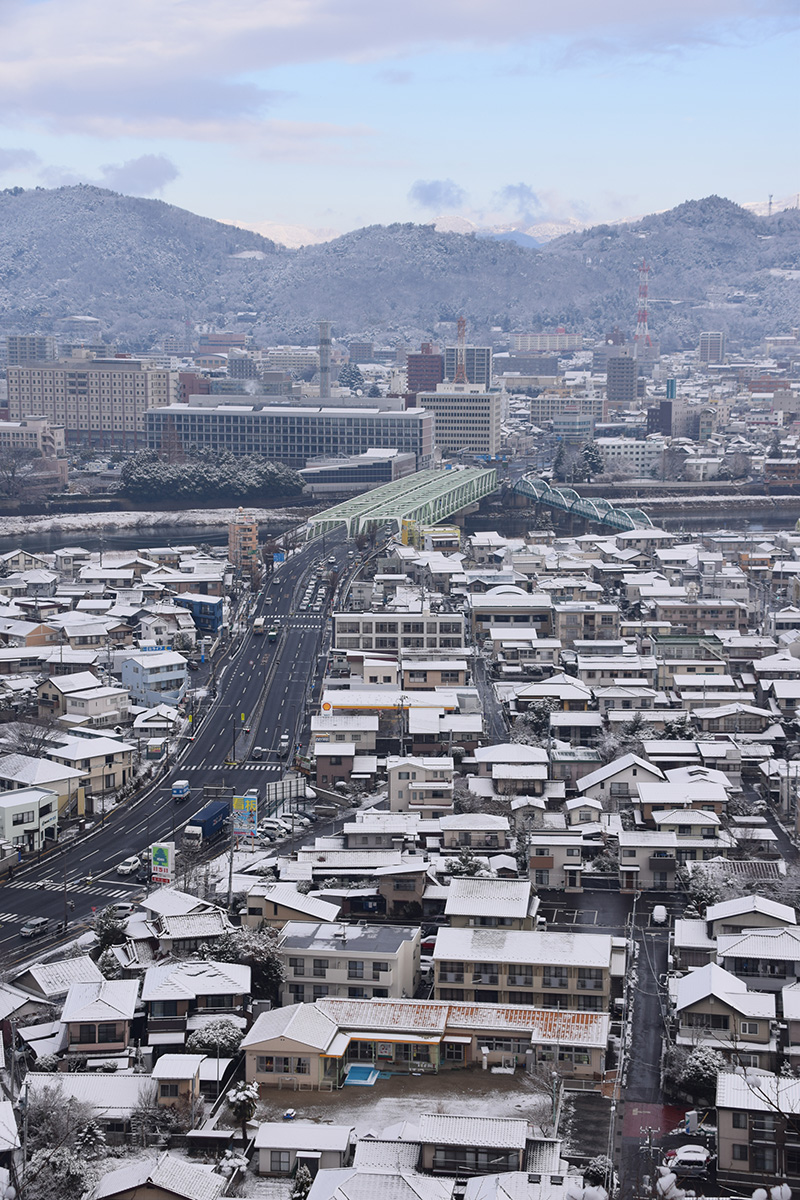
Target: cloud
(521, 198)
(147, 61)
(399, 78)
(14, 159)
(140, 176)
(437, 194)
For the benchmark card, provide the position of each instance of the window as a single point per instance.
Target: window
(379, 968)
(168, 1090)
(739, 1120)
(320, 966)
(750, 1027)
(279, 1162)
(107, 1032)
(164, 1008)
(355, 969)
(86, 1034)
(542, 878)
(23, 818)
(763, 1158)
(298, 965)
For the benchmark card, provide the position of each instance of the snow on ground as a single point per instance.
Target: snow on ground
(192, 517)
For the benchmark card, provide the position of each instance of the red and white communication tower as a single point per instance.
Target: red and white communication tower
(642, 335)
(460, 375)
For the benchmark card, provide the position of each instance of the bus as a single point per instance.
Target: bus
(259, 625)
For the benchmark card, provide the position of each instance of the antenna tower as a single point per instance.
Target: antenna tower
(461, 352)
(642, 335)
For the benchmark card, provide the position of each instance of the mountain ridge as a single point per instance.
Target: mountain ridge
(145, 267)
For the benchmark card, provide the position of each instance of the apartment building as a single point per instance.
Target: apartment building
(358, 962)
(155, 676)
(697, 616)
(420, 785)
(477, 364)
(35, 434)
(507, 607)
(25, 348)
(423, 630)
(577, 620)
(99, 402)
(544, 969)
(466, 419)
(290, 435)
(758, 1129)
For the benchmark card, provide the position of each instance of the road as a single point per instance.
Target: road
(269, 682)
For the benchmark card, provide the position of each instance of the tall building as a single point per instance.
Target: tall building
(100, 402)
(361, 352)
(243, 542)
(466, 418)
(25, 348)
(477, 364)
(547, 342)
(712, 347)
(621, 376)
(424, 371)
(324, 360)
(289, 435)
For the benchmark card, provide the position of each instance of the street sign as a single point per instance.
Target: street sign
(245, 816)
(162, 862)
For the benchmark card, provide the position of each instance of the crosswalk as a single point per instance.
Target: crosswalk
(50, 885)
(244, 766)
(7, 917)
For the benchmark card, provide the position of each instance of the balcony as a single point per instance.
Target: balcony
(542, 862)
(665, 863)
(554, 981)
(520, 981)
(486, 980)
(589, 985)
(451, 976)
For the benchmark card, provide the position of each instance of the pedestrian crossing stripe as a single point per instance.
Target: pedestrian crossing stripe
(244, 766)
(7, 916)
(74, 886)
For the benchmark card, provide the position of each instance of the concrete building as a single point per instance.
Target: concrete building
(28, 817)
(22, 349)
(358, 473)
(639, 456)
(99, 402)
(420, 785)
(351, 961)
(398, 631)
(546, 342)
(290, 435)
(243, 543)
(477, 364)
(712, 347)
(466, 418)
(424, 371)
(621, 375)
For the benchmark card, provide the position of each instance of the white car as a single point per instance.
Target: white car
(688, 1160)
(129, 866)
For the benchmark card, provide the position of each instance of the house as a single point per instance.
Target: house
(274, 904)
(99, 707)
(173, 992)
(546, 969)
(393, 1181)
(491, 903)
(617, 781)
(420, 785)
(105, 762)
(155, 677)
(555, 858)
(576, 728)
(207, 611)
(98, 1015)
(52, 692)
(698, 834)
(758, 1129)
(359, 961)
(178, 1079)
(768, 959)
(477, 831)
(188, 934)
(25, 772)
(284, 1145)
(452, 1144)
(747, 912)
(50, 982)
(315, 1043)
(713, 1008)
(334, 763)
(28, 818)
(647, 859)
(111, 1099)
(358, 728)
(164, 1178)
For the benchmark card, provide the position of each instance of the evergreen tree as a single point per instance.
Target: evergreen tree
(592, 462)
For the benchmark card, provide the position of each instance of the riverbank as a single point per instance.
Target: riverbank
(118, 521)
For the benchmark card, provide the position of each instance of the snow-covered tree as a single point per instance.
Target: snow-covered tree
(592, 462)
(91, 1140)
(56, 1173)
(109, 929)
(257, 949)
(243, 1102)
(302, 1183)
(699, 1074)
(532, 727)
(217, 1037)
(467, 864)
(350, 377)
(110, 965)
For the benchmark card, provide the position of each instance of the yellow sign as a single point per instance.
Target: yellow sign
(326, 707)
(242, 716)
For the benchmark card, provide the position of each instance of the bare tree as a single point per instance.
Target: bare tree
(16, 468)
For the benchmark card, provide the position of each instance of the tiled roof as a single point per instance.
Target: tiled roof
(167, 1174)
(56, 978)
(108, 1000)
(446, 1129)
(186, 980)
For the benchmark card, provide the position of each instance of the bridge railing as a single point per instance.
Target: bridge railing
(567, 500)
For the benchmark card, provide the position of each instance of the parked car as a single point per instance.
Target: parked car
(121, 910)
(129, 865)
(688, 1160)
(36, 927)
(193, 664)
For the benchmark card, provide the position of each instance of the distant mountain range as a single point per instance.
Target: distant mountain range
(144, 267)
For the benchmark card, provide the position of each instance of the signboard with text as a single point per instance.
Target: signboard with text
(245, 816)
(162, 862)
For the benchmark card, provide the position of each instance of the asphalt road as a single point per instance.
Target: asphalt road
(270, 683)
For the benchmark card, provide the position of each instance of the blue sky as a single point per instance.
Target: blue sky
(331, 114)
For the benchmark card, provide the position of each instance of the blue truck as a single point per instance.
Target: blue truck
(208, 824)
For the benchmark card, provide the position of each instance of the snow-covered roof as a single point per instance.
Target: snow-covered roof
(302, 1135)
(106, 1000)
(303, 1023)
(758, 1092)
(451, 1129)
(744, 905)
(53, 979)
(498, 897)
(187, 980)
(613, 768)
(712, 981)
(523, 946)
(167, 1174)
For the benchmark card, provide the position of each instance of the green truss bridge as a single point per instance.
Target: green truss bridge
(567, 500)
(428, 497)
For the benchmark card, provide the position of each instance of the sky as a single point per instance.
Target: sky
(314, 117)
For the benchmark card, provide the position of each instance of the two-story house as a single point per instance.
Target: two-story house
(271, 903)
(478, 831)
(758, 1129)
(491, 903)
(713, 1008)
(420, 785)
(173, 992)
(647, 859)
(766, 959)
(98, 1016)
(617, 781)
